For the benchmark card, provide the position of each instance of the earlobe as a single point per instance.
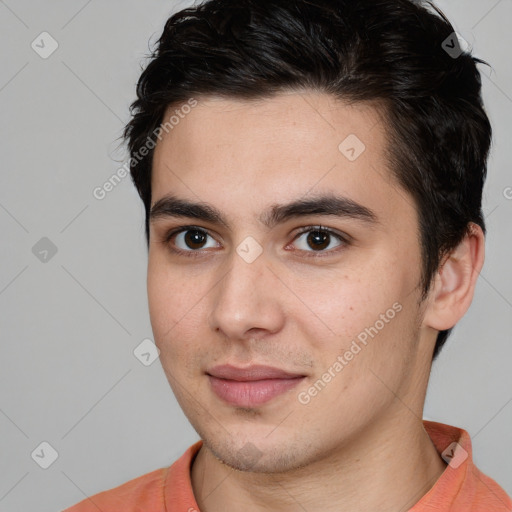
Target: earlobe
(454, 285)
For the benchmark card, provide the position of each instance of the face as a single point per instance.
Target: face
(325, 292)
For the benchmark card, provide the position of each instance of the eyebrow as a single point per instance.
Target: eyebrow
(331, 205)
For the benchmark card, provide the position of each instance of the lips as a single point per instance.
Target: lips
(250, 386)
(251, 373)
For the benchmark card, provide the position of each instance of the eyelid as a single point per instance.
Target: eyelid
(319, 227)
(176, 231)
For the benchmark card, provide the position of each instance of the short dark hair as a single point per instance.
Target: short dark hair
(393, 52)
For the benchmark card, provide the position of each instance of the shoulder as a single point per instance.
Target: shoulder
(142, 493)
(150, 492)
(462, 487)
(486, 494)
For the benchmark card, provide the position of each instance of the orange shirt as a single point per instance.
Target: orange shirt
(461, 487)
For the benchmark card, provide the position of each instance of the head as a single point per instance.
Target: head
(264, 94)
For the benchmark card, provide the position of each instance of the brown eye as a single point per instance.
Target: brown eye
(320, 240)
(194, 238)
(189, 241)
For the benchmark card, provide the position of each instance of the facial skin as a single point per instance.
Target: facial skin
(359, 441)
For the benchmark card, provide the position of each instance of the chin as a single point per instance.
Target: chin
(251, 459)
(257, 454)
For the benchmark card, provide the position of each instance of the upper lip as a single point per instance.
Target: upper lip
(254, 372)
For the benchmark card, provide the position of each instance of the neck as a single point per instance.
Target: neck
(389, 467)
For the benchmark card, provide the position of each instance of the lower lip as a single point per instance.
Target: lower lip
(251, 393)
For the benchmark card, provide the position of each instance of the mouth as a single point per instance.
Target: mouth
(251, 386)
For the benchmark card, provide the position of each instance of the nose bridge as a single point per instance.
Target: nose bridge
(245, 298)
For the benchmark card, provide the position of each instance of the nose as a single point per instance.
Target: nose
(248, 301)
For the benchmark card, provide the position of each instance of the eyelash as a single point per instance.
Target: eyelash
(199, 253)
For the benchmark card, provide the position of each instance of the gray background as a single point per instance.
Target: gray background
(69, 325)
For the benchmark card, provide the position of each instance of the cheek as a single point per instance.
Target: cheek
(356, 373)
(159, 299)
(364, 318)
(171, 292)
(175, 306)
(341, 304)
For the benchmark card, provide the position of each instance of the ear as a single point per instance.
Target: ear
(454, 286)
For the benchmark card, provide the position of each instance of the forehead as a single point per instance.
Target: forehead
(289, 120)
(248, 154)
